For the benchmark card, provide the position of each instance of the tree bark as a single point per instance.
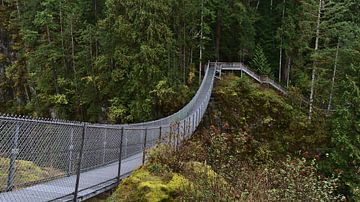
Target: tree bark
(288, 72)
(62, 37)
(334, 76)
(218, 34)
(281, 42)
(72, 47)
(18, 9)
(314, 64)
(201, 38)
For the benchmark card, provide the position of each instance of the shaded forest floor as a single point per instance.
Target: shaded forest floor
(252, 145)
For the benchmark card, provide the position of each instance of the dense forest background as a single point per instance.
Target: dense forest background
(124, 61)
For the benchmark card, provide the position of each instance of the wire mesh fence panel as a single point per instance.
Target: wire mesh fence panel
(134, 141)
(112, 146)
(93, 148)
(152, 139)
(165, 134)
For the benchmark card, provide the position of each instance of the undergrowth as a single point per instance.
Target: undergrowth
(252, 146)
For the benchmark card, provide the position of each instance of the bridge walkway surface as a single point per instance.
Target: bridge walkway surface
(57, 160)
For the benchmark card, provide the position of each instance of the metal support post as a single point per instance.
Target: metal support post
(126, 146)
(14, 153)
(144, 148)
(79, 163)
(178, 136)
(189, 126)
(194, 127)
(160, 140)
(184, 129)
(170, 135)
(120, 155)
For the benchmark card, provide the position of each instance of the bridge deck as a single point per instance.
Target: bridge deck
(91, 183)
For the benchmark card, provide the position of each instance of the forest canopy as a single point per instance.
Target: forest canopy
(125, 61)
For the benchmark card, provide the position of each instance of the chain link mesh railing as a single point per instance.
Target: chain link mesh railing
(44, 160)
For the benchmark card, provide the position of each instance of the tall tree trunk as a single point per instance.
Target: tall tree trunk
(281, 41)
(95, 10)
(48, 34)
(334, 76)
(53, 67)
(201, 39)
(288, 72)
(191, 55)
(72, 47)
(18, 9)
(311, 103)
(280, 58)
(218, 34)
(257, 5)
(62, 37)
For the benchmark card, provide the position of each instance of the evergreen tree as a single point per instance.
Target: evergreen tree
(260, 62)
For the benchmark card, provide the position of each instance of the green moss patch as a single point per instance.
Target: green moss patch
(143, 185)
(26, 172)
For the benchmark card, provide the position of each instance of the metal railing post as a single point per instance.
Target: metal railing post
(126, 146)
(184, 134)
(14, 153)
(178, 136)
(79, 163)
(120, 155)
(160, 140)
(193, 120)
(71, 148)
(170, 135)
(144, 147)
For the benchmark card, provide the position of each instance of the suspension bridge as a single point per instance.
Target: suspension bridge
(56, 160)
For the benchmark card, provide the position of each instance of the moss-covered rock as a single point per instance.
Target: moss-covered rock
(143, 185)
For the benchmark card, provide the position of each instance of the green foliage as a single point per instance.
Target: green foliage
(168, 99)
(262, 120)
(344, 151)
(244, 161)
(297, 180)
(260, 62)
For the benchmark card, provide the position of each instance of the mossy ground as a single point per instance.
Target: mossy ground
(26, 172)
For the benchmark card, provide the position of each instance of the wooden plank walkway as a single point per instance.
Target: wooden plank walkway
(92, 183)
